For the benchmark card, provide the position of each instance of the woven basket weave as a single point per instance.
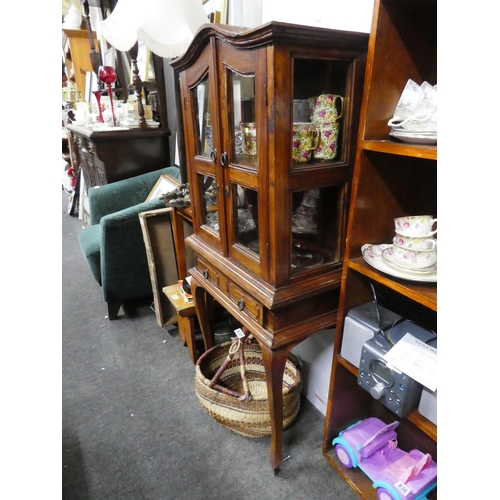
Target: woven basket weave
(249, 417)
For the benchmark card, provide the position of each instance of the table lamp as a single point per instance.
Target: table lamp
(166, 27)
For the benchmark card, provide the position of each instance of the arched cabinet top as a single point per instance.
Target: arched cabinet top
(271, 33)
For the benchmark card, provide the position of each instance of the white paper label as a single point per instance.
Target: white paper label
(415, 358)
(239, 333)
(402, 488)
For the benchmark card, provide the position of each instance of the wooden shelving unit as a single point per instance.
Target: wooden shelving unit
(390, 179)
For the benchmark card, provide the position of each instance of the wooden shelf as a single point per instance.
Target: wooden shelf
(428, 152)
(415, 417)
(424, 293)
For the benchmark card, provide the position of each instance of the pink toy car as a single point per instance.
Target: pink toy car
(371, 445)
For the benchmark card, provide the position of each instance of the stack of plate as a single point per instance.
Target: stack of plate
(381, 257)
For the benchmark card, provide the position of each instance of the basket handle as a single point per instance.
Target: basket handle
(237, 346)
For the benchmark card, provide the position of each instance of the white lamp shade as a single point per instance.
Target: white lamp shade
(166, 27)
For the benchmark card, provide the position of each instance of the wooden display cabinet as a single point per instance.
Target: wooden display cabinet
(278, 273)
(390, 179)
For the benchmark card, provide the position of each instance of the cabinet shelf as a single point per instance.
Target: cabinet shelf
(428, 152)
(360, 483)
(424, 293)
(415, 417)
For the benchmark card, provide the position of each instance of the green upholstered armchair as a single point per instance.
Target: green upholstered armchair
(113, 243)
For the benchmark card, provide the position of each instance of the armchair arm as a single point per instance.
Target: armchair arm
(124, 265)
(110, 198)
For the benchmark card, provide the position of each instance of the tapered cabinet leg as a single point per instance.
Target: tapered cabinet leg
(203, 304)
(274, 364)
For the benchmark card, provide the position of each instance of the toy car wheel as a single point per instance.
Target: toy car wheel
(343, 455)
(383, 494)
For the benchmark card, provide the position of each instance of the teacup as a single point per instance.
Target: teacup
(324, 108)
(414, 259)
(407, 102)
(249, 132)
(328, 141)
(311, 198)
(414, 243)
(415, 225)
(301, 218)
(305, 139)
(416, 115)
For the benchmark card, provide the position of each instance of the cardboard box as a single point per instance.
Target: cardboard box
(315, 355)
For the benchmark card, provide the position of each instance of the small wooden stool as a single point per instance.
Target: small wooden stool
(186, 316)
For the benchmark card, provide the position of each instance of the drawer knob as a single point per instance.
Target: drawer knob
(205, 274)
(241, 304)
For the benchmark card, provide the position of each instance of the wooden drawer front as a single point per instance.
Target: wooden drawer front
(244, 302)
(208, 272)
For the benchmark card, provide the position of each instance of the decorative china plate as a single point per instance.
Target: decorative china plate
(373, 255)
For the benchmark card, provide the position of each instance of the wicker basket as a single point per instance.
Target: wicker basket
(248, 417)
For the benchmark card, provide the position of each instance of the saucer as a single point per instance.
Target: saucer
(373, 256)
(388, 258)
(304, 229)
(414, 137)
(306, 260)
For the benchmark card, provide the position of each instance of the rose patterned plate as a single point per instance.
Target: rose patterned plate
(373, 256)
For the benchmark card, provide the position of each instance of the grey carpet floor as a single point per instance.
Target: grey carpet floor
(132, 426)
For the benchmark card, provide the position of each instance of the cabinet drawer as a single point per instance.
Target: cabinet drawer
(244, 302)
(208, 272)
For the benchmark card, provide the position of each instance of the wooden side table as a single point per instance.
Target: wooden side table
(186, 318)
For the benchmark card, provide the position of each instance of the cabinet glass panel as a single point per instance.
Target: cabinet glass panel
(203, 126)
(207, 187)
(242, 88)
(316, 228)
(318, 110)
(245, 224)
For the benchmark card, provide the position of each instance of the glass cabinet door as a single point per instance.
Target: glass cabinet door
(244, 143)
(317, 228)
(200, 97)
(199, 94)
(242, 88)
(318, 159)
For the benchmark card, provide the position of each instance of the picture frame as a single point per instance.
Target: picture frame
(165, 184)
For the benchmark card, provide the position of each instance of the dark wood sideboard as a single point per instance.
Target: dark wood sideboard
(110, 156)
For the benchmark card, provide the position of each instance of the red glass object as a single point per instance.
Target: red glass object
(98, 94)
(107, 75)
